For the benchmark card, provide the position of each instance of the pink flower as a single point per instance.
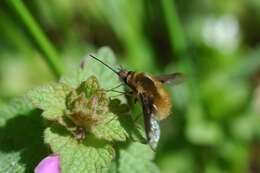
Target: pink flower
(50, 164)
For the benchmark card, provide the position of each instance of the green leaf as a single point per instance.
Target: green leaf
(82, 97)
(105, 76)
(113, 126)
(136, 158)
(51, 99)
(87, 103)
(21, 142)
(89, 87)
(21, 106)
(109, 129)
(89, 107)
(130, 119)
(90, 155)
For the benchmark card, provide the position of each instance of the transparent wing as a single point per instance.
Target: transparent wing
(152, 127)
(172, 79)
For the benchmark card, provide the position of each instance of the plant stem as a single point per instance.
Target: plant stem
(195, 111)
(50, 54)
(179, 45)
(177, 38)
(175, 30)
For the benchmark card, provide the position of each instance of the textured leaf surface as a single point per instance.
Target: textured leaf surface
(107, 78)
(51, 98)
(131, 124)
(21, 142)
(88, 107)
(136, 158)
(90, 155)
(109, 129)
(96, 106)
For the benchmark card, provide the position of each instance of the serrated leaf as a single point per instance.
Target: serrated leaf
(89, 87)
(21, 142)
(109, 129)
(51, 99)
(133, 127)
(91, 155)
(131, 120)
(106, 77)
(136, 158)
(84, 113)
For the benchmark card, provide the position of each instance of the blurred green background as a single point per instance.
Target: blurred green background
(215, 126)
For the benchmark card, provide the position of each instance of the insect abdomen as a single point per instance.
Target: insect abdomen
(163, 104)
(155, 91)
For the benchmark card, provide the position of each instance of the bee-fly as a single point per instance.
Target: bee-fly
(156, 102)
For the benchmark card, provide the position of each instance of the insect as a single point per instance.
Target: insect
(155, 99)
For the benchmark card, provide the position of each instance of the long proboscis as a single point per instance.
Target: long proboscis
(92, 56)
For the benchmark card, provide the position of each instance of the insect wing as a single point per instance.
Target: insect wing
(154, 133)
(172, 79)
(152, 127)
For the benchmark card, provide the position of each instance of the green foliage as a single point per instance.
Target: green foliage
(180, 162)
(109, 129)
(21, 146)
(136, 158)
(106, 77)
(85, 107)
(87, 123)
(89, 155)
(50, 98)
(215, 121)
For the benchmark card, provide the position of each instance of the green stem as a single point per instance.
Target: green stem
(179, 44)
(50, 54)
(175, 30)
(195, 111)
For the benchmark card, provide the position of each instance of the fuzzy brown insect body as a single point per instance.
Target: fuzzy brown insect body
(143, 84)
(153, 96)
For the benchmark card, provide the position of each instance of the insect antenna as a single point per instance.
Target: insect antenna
(92, 56)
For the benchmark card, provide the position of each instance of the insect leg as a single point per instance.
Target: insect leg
(116, 86)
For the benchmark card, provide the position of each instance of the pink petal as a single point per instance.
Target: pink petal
(50, 164)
